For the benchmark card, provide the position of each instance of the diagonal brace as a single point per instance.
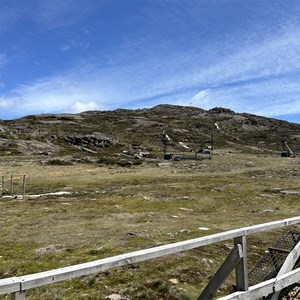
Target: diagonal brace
(223, 272)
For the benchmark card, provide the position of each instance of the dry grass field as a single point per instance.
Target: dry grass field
(113, 210)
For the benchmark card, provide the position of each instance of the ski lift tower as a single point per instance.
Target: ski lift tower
(288, 151)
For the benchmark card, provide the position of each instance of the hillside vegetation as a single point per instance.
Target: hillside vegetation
(102, 136)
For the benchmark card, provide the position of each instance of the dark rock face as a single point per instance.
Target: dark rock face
(221, 110)
(95, 139)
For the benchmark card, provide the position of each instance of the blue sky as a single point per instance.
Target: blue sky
(75, 55)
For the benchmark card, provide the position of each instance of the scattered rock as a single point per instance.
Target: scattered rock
(85, 149)
(184, 231)
(173, 280)
(63, 193)
(49, 249)
(290, 192)
(186, 209)
(267, 211)
(164, 164)
(218, 188)
(125, 162)
(266, 196)
(131, 234)
(181, 130)
(203, 228)
(250, 164)
(114, 297)
(207, 262)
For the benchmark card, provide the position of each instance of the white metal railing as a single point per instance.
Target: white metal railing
(17, 286)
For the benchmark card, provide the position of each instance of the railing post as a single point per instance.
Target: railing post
(241, 270)
(18, 296)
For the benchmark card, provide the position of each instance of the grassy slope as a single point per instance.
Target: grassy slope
(113, 210)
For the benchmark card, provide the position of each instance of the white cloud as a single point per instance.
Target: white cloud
(5, 103)
(202, 99)
(63, 93)
(66, 47)
(80, 106)
(271, 98)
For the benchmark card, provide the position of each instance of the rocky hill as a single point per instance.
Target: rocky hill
(111, 136)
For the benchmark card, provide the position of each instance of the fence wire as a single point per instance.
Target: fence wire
(271, 263)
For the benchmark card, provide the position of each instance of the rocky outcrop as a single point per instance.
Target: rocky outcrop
(37, 147)
(222, 110)
(96, 139)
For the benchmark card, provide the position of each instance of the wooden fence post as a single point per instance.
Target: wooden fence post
(11, 184)
(24, 187)
(2, 184)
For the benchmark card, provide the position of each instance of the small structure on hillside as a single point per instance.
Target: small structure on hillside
(182, 150)
(136, 151)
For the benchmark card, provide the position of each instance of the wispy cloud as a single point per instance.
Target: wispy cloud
(71, 44)
(4, 103)
(79, 106)
(56, 14)
(244, 80)
(47, 15)
(10, 14)
(3, 60)
(268, 98)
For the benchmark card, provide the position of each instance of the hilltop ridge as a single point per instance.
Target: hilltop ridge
(106, 134)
